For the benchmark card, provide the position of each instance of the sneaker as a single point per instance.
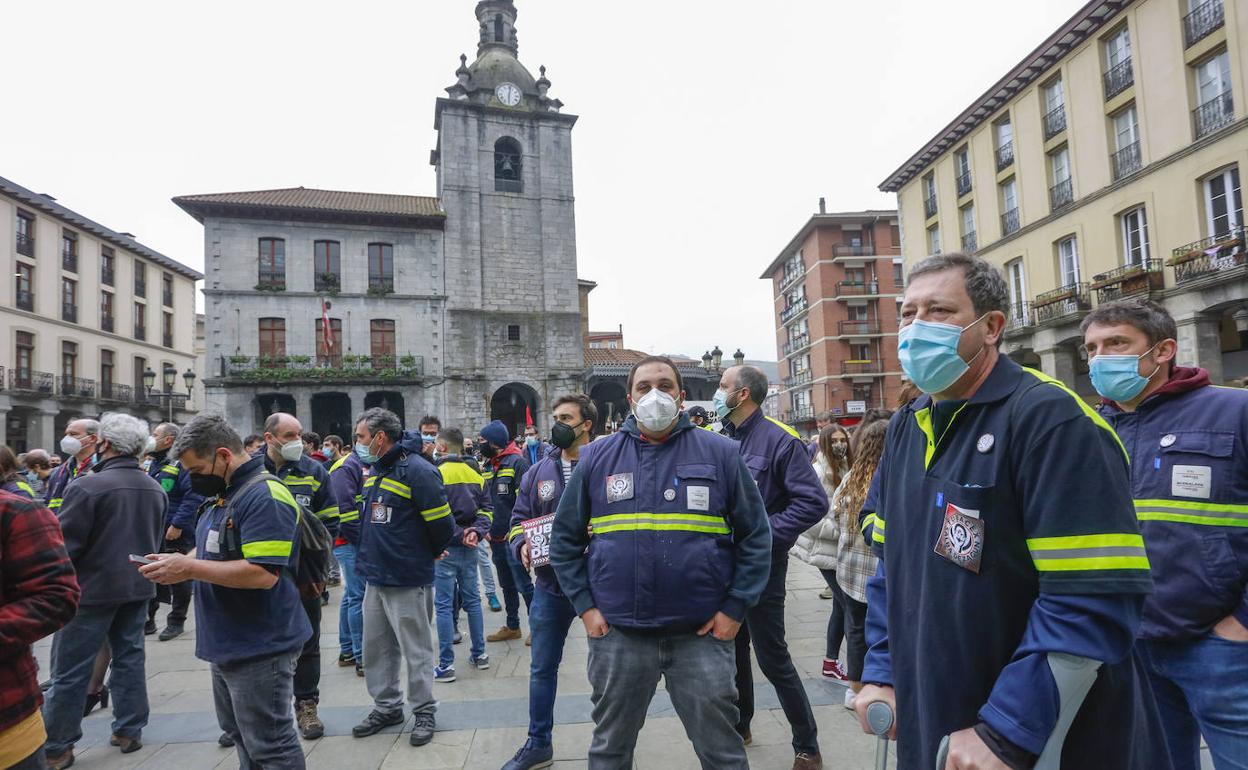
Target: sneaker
(422, 728)
(359, 668)
(531, 757)
(310, 725)
(832, 670)
(325, 598)
(127, 745)
(171, 632)
(444, 674)
(149, 628)
(480, 662)
(826, 593)
(850, 695)
(225, 741)
(457, 638)
(503, 634)
(376, 721)
(346, 660)
(492, 600)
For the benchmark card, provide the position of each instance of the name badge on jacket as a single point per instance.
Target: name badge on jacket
(380, 514)
(619, 487)
(212, 544)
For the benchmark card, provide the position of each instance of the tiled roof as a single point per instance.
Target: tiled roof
(307, 199)
(49, 206)
(626, 357)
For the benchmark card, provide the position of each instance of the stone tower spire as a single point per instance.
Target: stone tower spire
(498, 26)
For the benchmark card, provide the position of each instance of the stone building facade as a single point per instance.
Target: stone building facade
(465, 306)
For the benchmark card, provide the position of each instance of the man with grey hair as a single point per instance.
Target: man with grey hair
(79, 443)
(108, 514)
(249, 625)
(1012, 572)
(795, 501)
(1189, 478)
(179, 525)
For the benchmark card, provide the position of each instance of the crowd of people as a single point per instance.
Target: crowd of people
(1027, 580)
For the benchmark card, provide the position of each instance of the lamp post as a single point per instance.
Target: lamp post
(169, 375)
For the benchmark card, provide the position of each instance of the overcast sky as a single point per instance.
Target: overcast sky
(707, 132)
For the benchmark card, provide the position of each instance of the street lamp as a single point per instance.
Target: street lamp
(739, 357)
(717, 357)
(189, 378)
(706, 360)
(149, 379)
(169, 375)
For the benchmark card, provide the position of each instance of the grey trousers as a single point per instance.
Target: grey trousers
(252, 701)
(624, 670)
(398, 628)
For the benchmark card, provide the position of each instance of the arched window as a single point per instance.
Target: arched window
(507, 166)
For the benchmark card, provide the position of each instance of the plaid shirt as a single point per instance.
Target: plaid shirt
(38, 595)
(855, 561)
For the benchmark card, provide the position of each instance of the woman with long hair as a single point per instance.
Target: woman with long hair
(817, 545)
(855, 561)
(11, 478)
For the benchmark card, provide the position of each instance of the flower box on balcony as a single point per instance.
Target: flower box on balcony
(1053, 298)
(1105, 279)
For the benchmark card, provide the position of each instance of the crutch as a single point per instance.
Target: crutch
(880, 720)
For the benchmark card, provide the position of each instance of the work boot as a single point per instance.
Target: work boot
(422, 729)
(503, 634)
(804, 761)
(127, 745)
(531, 757)
(310, 725)
(149, 628)
(376, 721)
(225, 741)
(171, 632)
(60, 761)
(346, 660)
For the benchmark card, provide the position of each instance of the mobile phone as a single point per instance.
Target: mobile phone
(136, 559)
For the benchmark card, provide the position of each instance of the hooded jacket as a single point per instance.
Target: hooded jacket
(502, 473)
(1188, 444)
(465, 493)
(346, 478)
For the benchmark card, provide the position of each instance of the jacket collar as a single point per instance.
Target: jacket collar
(245, 471)
(631, 428)
(507, 451)
(1001, 382)
(733, 431)
(116, 462)
(1183, 379)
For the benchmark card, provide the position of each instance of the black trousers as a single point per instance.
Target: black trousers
(764, 626)
(178, 595)
(308, 667)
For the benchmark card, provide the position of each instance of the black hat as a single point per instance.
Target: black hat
(698, 411)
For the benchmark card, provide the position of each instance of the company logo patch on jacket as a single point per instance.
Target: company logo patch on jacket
(546, 490)
(619, 487)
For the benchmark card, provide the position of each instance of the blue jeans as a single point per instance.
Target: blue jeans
(1201, 687)
(351, 610)
(550, 616)
(487, 567)
(121, 625)
(514, 580)
(457, 571)
(252, 701)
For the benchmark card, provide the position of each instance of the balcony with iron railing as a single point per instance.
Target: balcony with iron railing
(69, 312)
(1009, 222)
(25, 300)
(801, 378)
(790, 277)
(794, 310)
(857, 250)
(1213, 259)
(31, 381)
(1214, 114)
(113, 391)
(1118, 78)
(1129, 281)
(1065, 303)
(25, 245)
(288, 368)
(1127, 161)
(1018, 319)
(846, 289)
(106, 323)
(107, 276)
(797, 344)
(929, 206)
(327, 282)
(1202, 21)
(1005, 156)
(970, 242)
(69, 261)
(964, 183)
(799, 415)
(75, 387)
(1061, 195)
(380, 286)
(167, 339)
(861, 367)
(859, 328)
(1054, 122)
(140, 332)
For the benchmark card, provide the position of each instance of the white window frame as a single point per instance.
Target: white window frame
(962, 161)
(968, 219)
(1118, 47)
(1231, 191)
(1004, 131)
(1068, 252)
(933, 239)
(1135, 236)
(1213, 78)
(929, 186)
(1053, 96)
(1062, 155)
(1009, 195)
(1132, 131)
(1016, 279)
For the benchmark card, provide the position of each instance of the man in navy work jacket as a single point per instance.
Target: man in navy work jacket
(503, 467)
(795, 501)
(347, 476)
(680, 548)
(248, 623)
(1188, 442)
(404, 527)
(1012, 571)
(179, 533)
(308, 481)
(551, 614)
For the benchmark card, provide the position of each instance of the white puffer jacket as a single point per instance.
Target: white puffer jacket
(817, 545)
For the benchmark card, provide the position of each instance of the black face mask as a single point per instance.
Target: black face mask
(208, 484)
(487, 450)
(563, 435)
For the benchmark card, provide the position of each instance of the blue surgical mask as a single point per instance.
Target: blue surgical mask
(720, 402)
(530, 440)
(929, 354)
(32, 477)
(366, 456)
(1118, 378)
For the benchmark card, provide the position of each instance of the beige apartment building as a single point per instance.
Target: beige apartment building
(91, 321)
(1105, 164)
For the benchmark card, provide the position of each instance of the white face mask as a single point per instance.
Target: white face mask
(149, 446)
(656, 411)
(70, 445)
(293, 451)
